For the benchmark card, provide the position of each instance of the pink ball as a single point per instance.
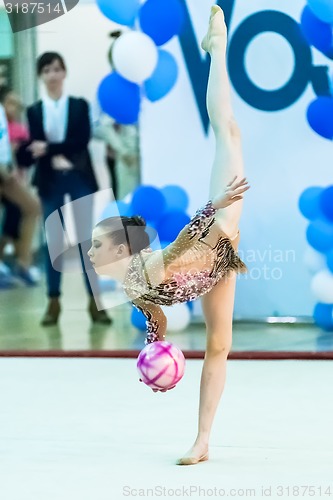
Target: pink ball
(161, 365)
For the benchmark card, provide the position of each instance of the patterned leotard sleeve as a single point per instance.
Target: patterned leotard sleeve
(196, 229)
(155, 321)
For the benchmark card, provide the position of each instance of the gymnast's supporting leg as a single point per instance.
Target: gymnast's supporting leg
(218, 304)
(228, 160)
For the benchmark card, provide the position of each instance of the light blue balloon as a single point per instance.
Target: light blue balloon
(163, 78)
(119, 98)
(176, 198)
(323, 9)
(120, 11)
(309, 202)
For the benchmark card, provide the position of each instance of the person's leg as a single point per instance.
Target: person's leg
(11, 223)
(217, 307)
(54, 233)
(30, 209)
(111, 163)
(228, 161)
(218, 304)
(54, 237)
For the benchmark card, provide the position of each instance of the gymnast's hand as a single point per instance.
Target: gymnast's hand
(233, 192)
(159, 390)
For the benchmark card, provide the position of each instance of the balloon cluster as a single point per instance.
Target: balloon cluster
(165, 212)
(317, 28)
(141, 67)
(316, 204)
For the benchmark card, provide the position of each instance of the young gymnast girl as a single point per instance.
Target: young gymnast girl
(203, 260)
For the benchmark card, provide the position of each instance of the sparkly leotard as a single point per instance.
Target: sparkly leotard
(200, 256)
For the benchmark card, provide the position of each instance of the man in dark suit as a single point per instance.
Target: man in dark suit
(59, 127)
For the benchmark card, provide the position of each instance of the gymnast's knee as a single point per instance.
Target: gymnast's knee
(218, 347)
(229, 130)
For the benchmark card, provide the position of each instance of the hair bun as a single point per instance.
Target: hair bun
(138, 220)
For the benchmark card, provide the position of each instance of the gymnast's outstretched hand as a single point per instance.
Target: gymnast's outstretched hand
(159, 390)
(233, 192)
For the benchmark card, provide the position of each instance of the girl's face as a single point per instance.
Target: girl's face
(53, 75)
(104, 254)
(13, 106)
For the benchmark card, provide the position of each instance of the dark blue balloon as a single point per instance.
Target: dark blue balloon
(319, 235)
(176, 198)
(161, 19)
(323, 316)
(326, 202)
(190, 305)
(120, 11)
(330, 260)
(164, 77)
(171, 223)
(138, 319)
(316, 32)
(320, 116)
(148, 202)
(309, 203)
(119, 98)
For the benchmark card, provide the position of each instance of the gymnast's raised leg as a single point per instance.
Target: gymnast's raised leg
(218, 304)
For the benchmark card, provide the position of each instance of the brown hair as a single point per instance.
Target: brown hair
(48, 58)
(130, 231)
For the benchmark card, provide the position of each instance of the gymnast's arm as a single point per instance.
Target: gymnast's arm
(198, 227)
(156, 326)
(156, 321)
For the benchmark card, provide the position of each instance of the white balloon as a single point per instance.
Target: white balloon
(178, 317)
(322, 286)
(313, 260)
(135, 56)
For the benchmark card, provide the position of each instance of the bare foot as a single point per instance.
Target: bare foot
(217, 30)
(198, 453)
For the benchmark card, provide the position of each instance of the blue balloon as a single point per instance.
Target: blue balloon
(330, 260)
(120, 11)
(138, 319)
(323, 9)
(319, 235)
(323, 316)
(161, 19)
(326, 203)
(317, 33)
(148, 202)
(320, 116)
(164, 77)
(116, 208)
(119, 98)
(190, 305)
(176, 198)
(171, 223)
(309, 203)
